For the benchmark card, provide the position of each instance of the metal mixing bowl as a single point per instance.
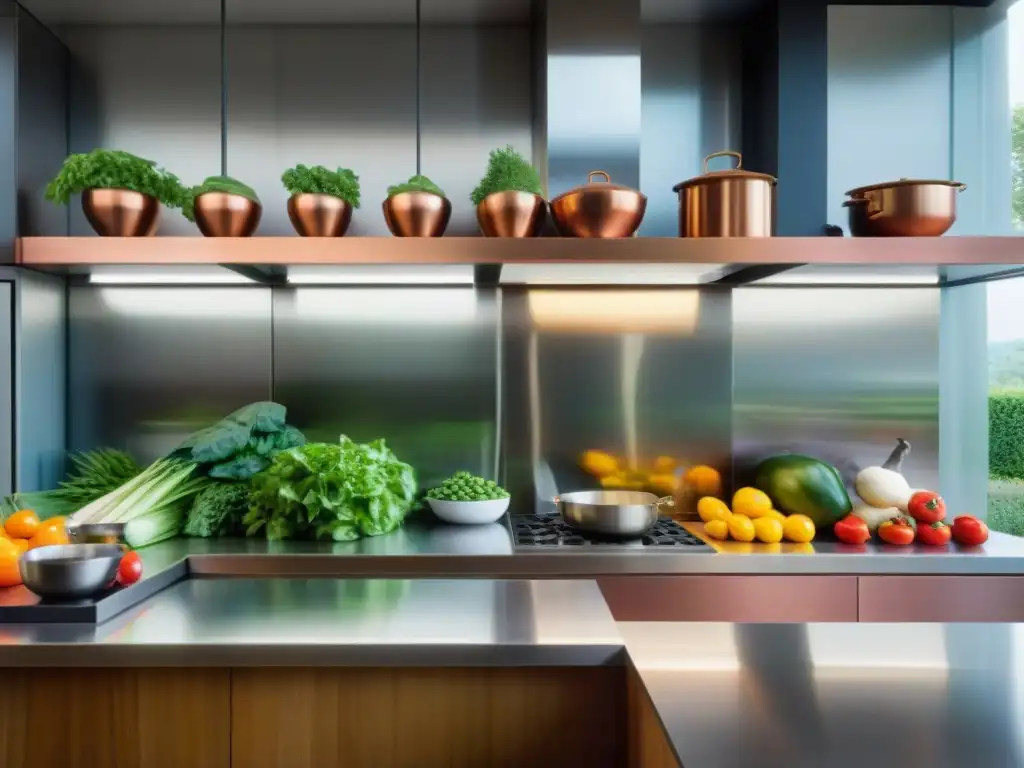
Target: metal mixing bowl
(70, 571)
(96, 533)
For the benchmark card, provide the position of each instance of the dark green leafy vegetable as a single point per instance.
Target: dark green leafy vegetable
(224, 184)
(318, 180)
(418, 183)
(462, 486)
(114, 169)
(507, 171)
(331, 491)
(218, 510)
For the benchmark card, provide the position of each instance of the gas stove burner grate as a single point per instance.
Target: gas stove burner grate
(551, 531)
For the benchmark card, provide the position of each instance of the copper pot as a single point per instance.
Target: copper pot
(511, 214)
(221, 214)
(315, 215)
(417, 214)
(904, 208)
(599, 209)
(121, 212)
(729, 203)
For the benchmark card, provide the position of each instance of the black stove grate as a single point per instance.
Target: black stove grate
(551, 531)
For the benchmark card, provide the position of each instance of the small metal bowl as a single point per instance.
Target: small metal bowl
(70, 571)
(96, 533)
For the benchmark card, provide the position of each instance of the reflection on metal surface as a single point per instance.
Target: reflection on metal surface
(837, 373)
(416, 366)
(841, 695)
(149, 366)
(609, 312)
(384, 274)
(575, 381)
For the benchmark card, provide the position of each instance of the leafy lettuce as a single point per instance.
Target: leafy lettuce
(340, 491)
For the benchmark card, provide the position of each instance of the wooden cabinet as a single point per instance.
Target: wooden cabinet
(731, 598)
(648, 744)
(941, 598)
(115, 718)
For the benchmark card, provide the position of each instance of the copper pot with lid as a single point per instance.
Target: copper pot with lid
(904, 208)
(730, 203)
(599, 209)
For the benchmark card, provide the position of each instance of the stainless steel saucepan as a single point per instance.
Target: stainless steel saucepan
(611, 513)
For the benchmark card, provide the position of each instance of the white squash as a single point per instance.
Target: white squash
(875, 516)
(885, 486)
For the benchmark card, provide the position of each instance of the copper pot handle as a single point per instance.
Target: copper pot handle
(725, 153)
(592, 174)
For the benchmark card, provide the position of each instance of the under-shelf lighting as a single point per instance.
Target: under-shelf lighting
(383, 274)
(140, 274)
(611, 274)
(867, 275)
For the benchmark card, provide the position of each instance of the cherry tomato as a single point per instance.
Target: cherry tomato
(896, 531)
(22, 524)
(927, 507)
(969, 531)
(130, 569)
(10, 574)
(937, 534)
(852, 530)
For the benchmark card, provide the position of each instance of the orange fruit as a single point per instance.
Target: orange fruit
(10, 574)
(23, 524)
(48, 535)
(21, 545)
(703, 480)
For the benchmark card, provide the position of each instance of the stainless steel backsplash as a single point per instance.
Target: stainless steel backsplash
(519, 382)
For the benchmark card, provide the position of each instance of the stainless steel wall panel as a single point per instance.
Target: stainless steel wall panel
(593, 92)
(638, 374)
(332, 95)
(691, 78)
(6, 387)
(837, 373)
(8, 130)
(43, 72)
(148, 366)
(154, 91)
(416, 366)
(40, 380)
(475, 97)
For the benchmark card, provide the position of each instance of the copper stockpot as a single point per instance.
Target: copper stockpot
(121, 212)
(315, 215)
(511, 214)
(904, 208)
(417, 214)
(220, 214)
(729, 203)
(599, 209)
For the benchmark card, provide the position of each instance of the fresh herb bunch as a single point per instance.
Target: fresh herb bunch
(462, 486)
(507, 171)
(114, 169)
(218, 510)
(224, 184)
(418, 183)
(318, 180)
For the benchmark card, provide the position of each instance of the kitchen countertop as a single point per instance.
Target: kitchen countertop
(836, 695)
(337, 622)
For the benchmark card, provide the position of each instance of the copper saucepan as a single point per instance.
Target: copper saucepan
(733, 202)
(904, 208)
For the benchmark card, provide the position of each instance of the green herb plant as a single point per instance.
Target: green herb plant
(224, 184)
(318, 180)
(507, 171)
(416, 183)
(462, 486)
(114, 169)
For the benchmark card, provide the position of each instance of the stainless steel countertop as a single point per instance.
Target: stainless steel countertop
(836, 695)
(304, 622)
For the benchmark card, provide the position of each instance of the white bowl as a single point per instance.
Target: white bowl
(469, 512)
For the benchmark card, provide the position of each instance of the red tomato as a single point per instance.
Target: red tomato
(969, 531)
(927, 507)
(852, 530)
(936, 534)
(130, 569)
(896, 531)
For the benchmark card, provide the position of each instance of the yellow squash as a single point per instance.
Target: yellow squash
(709, 508)
(751, 502)
(741, 527)
(717, 529)
(768, 530)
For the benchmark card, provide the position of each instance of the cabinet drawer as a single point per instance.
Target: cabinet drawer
(731, 598)
(941, 598)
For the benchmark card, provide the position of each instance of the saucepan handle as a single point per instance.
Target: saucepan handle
(665, 501)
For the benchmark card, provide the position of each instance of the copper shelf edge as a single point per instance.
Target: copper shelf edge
(71, 251)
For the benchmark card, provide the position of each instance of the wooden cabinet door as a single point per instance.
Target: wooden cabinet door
(115, 718)
(731, 598)
(942, 598)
